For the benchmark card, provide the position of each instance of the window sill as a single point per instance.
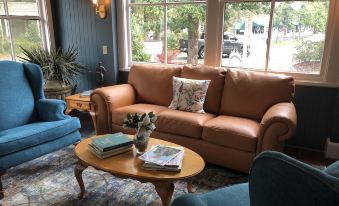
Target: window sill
(305, 82)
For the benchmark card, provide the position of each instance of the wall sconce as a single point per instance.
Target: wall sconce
(100, 8)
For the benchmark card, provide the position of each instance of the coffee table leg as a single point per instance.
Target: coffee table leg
(79, 168)
(190, 186)
(165, 191)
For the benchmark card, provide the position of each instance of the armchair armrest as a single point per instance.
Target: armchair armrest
(51, 109)
(333, 169)
(106, 99)
(278, 124)
(276, 179)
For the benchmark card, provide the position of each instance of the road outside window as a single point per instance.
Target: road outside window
(297, 35)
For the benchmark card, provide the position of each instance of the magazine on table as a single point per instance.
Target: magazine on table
(173, 165)
(161, 154)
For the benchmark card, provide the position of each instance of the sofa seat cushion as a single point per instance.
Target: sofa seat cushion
(29, 135)
(235, 132)
(119, 114)
(182, 123)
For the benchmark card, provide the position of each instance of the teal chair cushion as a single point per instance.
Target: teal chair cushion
(29, 135)
(236, 195)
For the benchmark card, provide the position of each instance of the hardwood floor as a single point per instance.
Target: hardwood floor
(315, 158)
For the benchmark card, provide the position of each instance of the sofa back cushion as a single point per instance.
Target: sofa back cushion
(250, 94)
(16, 96)
(217, 77)
(153, 83)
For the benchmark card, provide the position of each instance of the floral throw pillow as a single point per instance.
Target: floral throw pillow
(189, 94)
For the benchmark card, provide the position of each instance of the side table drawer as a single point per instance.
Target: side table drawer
(79, 105)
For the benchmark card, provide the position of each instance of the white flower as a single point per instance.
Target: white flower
(153, 119)
(146, 120)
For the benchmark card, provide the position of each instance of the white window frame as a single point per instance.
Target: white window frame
(300, 77)
(123, 12)
(329, 76)
(45, 23)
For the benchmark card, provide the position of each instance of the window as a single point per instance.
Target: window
(20, 26)
(285, 36)
(290, 39)
(167, 31)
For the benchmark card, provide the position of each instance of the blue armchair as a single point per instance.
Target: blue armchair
(275, 179)
(30, 125)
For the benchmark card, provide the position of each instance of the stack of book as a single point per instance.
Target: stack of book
(86, 93)
(164, 158)
(110, 144)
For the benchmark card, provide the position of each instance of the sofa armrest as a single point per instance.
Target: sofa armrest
(106, 99)
(277, 179)
(278, 124)
(51, 110)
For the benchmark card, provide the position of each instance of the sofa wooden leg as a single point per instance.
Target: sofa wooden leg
(1, 189)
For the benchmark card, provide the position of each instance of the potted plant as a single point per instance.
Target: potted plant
(59, 68)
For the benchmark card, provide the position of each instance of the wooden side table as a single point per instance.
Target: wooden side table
(81, 104)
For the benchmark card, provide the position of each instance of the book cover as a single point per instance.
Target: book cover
(160, 154)
(98, 151)
(110, 153)
(111, 141)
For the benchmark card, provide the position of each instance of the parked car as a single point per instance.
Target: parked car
(231, 43)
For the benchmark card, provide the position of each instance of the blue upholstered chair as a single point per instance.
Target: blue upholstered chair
(275, 180)
(30, 125)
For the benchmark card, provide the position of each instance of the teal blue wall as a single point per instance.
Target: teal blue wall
(316, 108)
(76, 23)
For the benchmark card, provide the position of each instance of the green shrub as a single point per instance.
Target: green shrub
(309, 51)
(173, 41)
(138, 48)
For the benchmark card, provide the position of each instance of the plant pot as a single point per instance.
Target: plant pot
(57, 90)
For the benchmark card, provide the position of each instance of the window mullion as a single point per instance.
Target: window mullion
(269, 35)
(42, 23)
(8, 28)
(165, 33)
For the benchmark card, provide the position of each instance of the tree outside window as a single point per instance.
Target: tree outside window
(184, 23)
(20, 26)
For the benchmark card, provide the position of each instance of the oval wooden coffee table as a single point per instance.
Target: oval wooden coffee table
(128, 165)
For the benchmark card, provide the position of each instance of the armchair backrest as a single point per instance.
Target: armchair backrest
(20, 86)
(276, 179)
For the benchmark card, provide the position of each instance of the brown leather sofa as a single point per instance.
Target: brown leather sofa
(246, 112)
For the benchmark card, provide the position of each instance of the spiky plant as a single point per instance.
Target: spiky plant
(60, 65)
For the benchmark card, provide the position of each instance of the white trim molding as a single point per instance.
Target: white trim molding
(123, 51)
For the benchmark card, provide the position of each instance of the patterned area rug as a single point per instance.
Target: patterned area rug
(49, 180)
